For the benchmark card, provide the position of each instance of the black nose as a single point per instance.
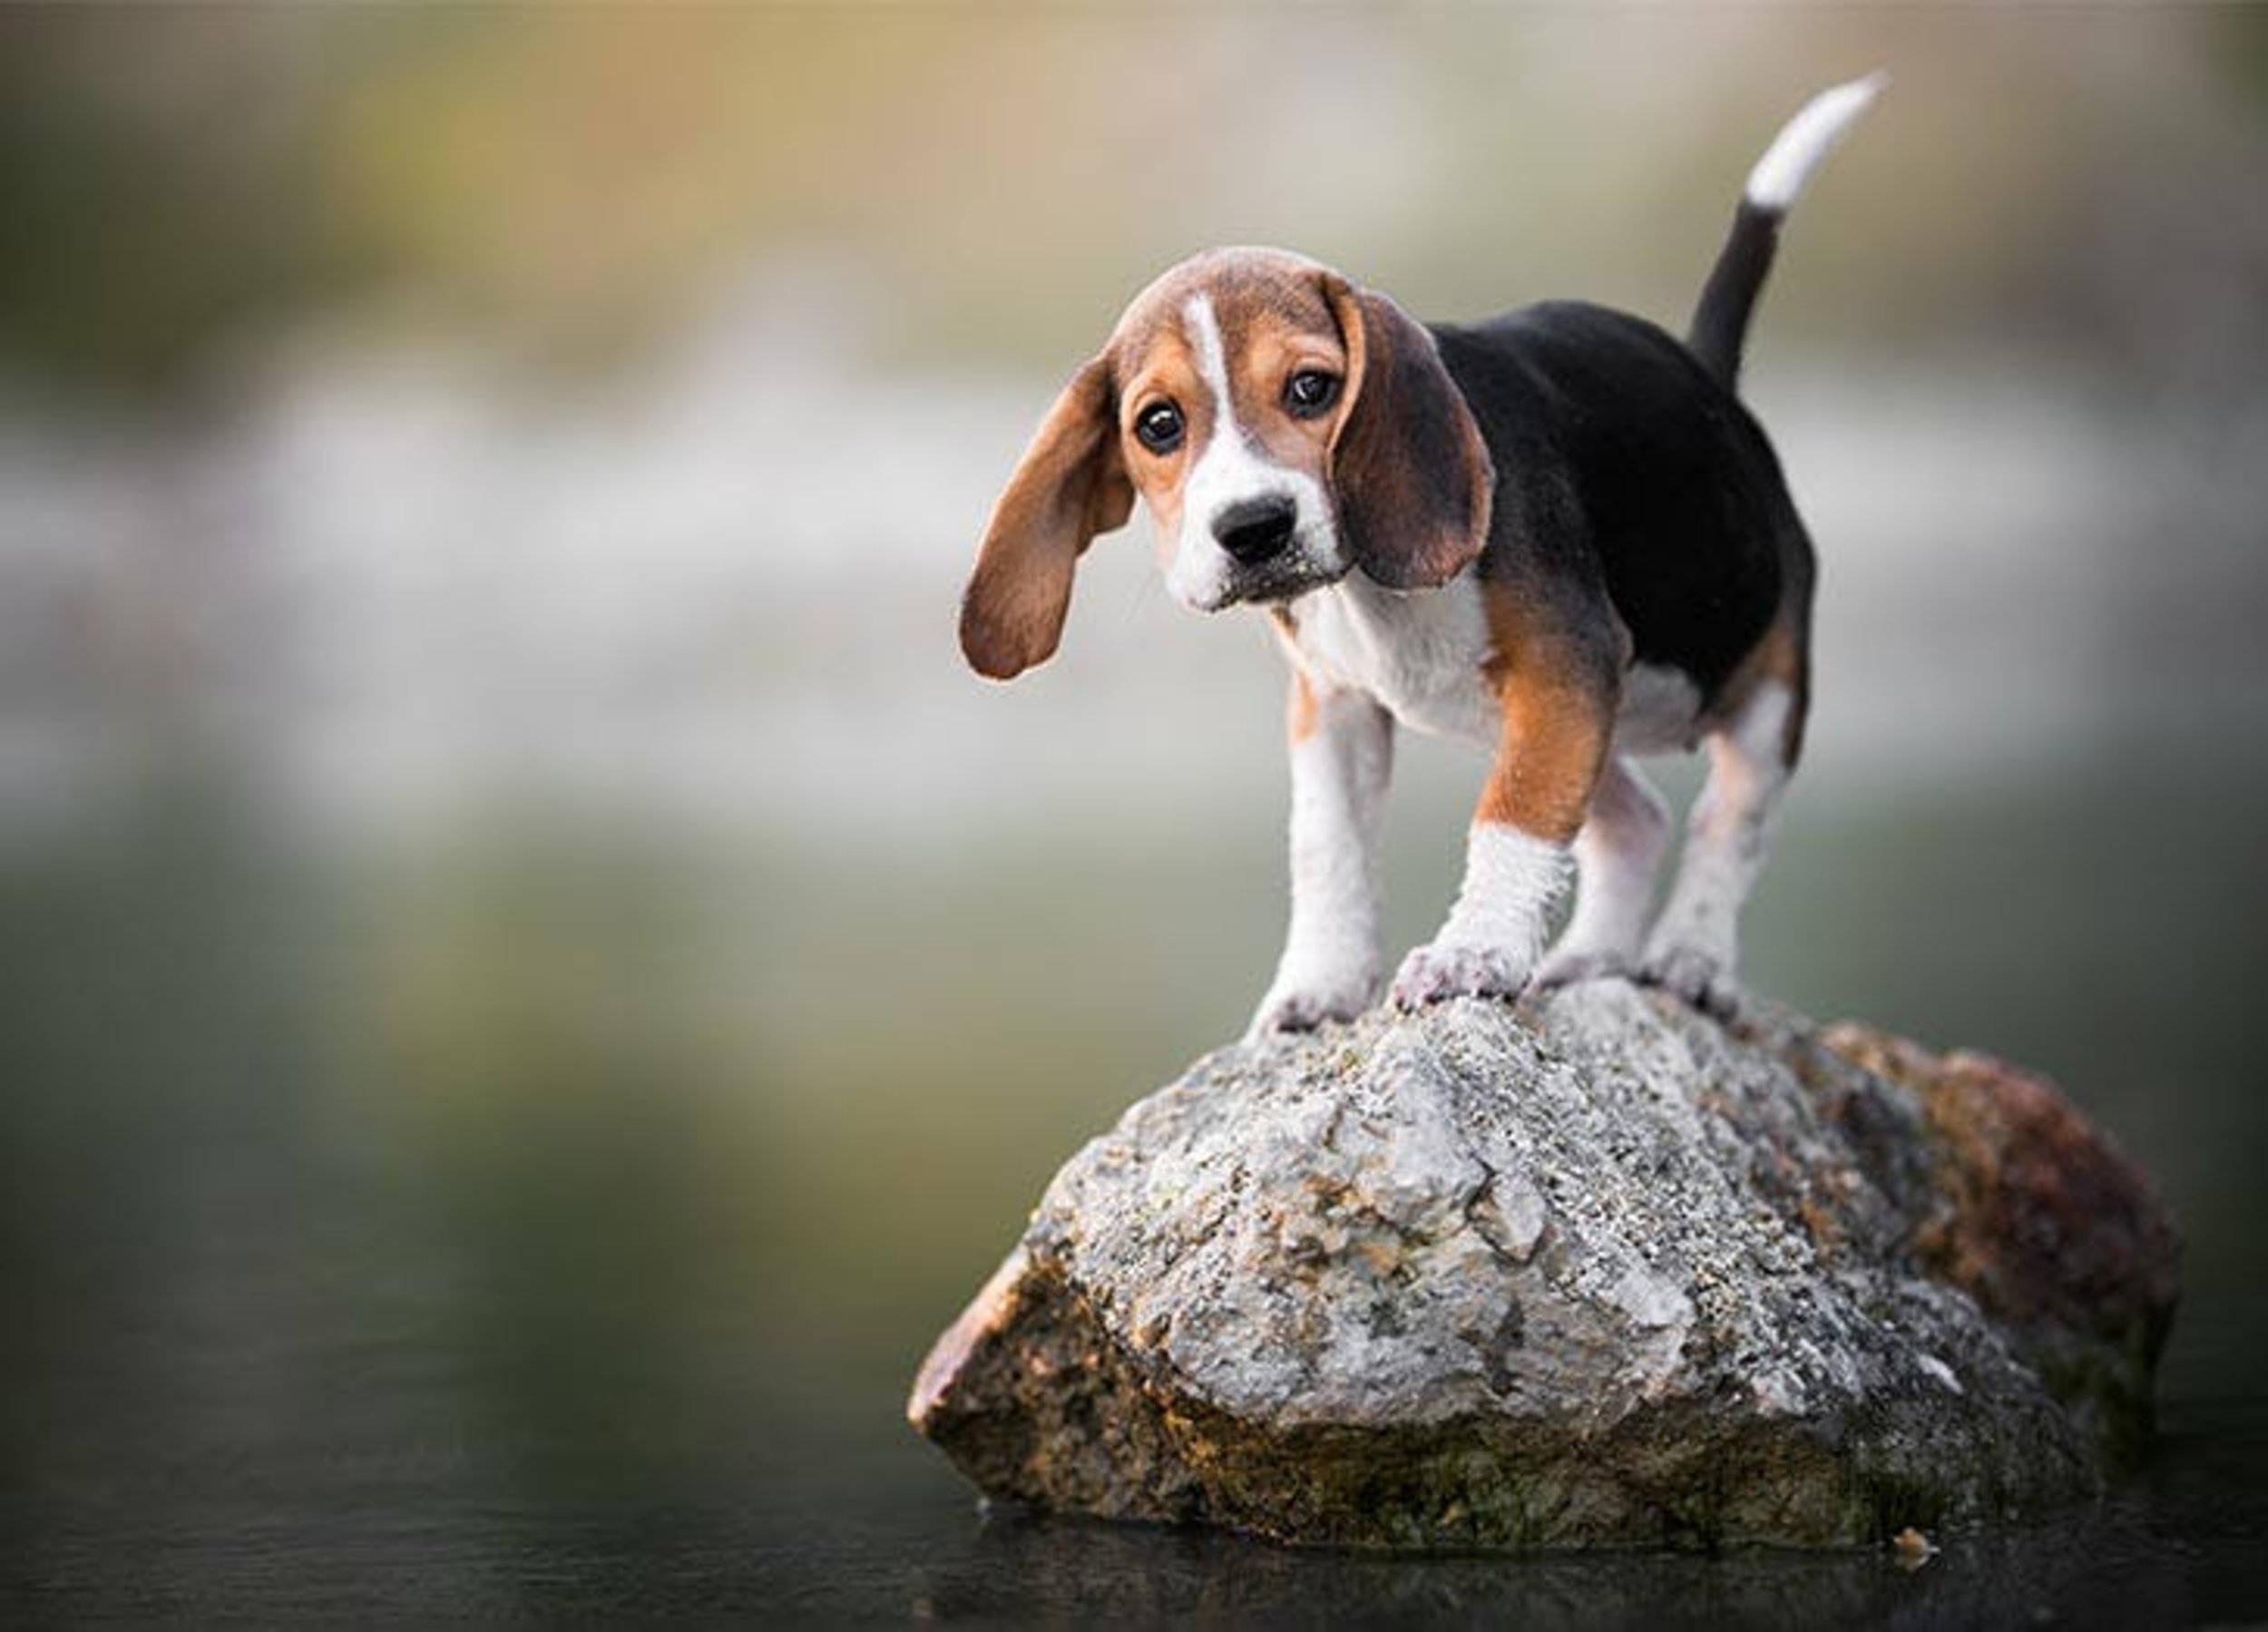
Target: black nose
(1255, 530)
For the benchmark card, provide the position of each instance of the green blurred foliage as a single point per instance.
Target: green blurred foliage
(991, 180)
(158, 182)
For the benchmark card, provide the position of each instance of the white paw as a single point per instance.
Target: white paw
(1700, 978)
(1434, 974)
(1299, 1003)
(1571, 968)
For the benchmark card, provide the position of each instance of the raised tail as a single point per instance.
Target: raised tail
(1720, 322)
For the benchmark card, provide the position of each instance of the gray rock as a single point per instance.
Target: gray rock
(1600, 1270)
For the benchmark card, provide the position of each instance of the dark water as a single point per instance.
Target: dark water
(551, 1227)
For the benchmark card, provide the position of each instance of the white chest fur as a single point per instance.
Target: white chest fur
(1423, 653)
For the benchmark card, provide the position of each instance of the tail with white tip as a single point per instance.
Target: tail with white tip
(1720, 322)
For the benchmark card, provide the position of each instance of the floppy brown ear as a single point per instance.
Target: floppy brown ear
(1071, 486)
(1409, 470)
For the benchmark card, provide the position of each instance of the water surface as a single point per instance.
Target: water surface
(552, 1223)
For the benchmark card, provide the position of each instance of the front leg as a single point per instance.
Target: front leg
(1558, 701)
(1341, 747)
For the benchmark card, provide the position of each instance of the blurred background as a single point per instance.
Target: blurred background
(532, 981)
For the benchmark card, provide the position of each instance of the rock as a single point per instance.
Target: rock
(1600, 1270)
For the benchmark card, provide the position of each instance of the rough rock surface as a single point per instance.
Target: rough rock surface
(1598, 1271)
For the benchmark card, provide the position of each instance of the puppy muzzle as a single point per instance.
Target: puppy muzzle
(1259, 551)
(1256, 532)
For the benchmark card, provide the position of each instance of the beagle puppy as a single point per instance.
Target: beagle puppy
(1557, 534)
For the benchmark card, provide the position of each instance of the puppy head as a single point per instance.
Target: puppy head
(1282, 426)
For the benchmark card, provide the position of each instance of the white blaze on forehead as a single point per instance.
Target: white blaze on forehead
(1229, 468)
(1212, 362)
(1226, 470)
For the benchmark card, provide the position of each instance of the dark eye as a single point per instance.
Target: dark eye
(1159, 427)
(1309, 392)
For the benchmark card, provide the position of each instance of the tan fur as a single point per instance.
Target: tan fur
(1265, 347)
(1163, 366)
(1558, 709)
(1300, 716)
(1782, 655)
(1071, 486)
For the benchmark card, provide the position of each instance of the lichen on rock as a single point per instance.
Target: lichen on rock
(1602, 1270)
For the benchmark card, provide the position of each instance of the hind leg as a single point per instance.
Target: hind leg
(1694, 948)
(1617, 855)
